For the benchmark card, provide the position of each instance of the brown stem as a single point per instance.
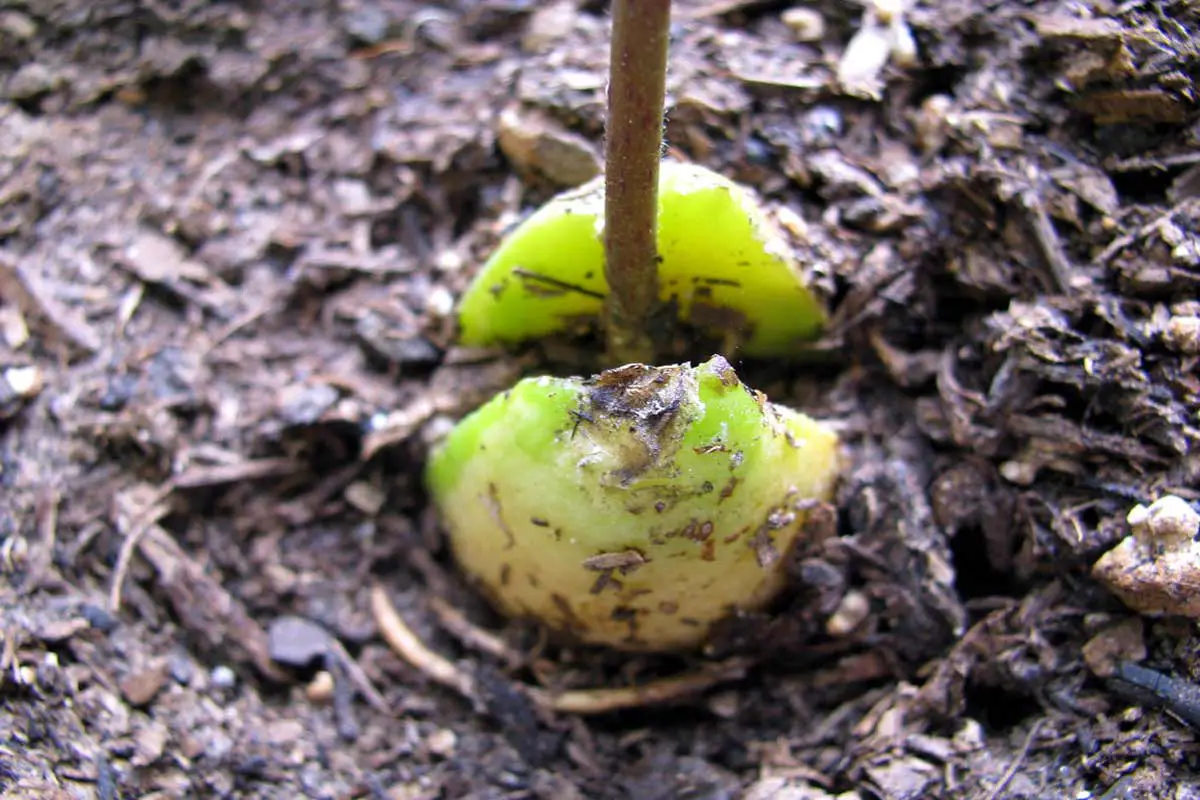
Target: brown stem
(636, 93)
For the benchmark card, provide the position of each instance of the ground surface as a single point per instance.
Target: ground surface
(230, 237)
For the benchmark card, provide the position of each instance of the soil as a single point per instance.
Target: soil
(231, 236)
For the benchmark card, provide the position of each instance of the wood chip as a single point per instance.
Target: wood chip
(37, 300)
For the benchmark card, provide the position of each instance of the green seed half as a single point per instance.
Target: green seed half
(722, 262)
(634, 509)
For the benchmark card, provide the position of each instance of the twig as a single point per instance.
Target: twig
(106, 778)
(41, 557)
(1017, 762)
(1181, 698)
(234, 327)
(1121, 242)
(470, 634)
(1059, 264)
(198, 477)
(357, 676)
(134, 520)
(343, 698)
(204, 607)
(401, 424)
(136, 523)
(8, 654)
(406, 645)
(37, 299)
(636, 93)
(665, 690)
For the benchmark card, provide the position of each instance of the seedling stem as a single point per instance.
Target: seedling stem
(636, 94)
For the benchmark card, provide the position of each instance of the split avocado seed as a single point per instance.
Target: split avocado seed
(635, 509)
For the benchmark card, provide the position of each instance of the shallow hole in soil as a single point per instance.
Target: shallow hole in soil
(938, 80)
(1145, 186)
(998, 709)
(187, 91)
(976, 574)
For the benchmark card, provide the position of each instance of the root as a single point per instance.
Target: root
(437, 668)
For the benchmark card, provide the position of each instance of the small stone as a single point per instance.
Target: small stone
(849, 614)
(180, 668)
(383, 341)
(17, 25)
(99, 617)
(353, 195)
(549, 24)
(149, 743)
(296, 642)
(440, 302)
(223, 677)
(1170, 519)
(284, 732)
(13, 327)
(365, 497)
(536, 142)
(806, 24)
(140, 687)
(932, 122)
(25, 382)
(367, 24)
(970, 737)
(1022, 473)
(1187, 252)
(442, 742)
(1115, 643)
(1154, 570)
(904, 46)
(822, 126)
(30, 81)
(1182, 334)
(725, 705)
(60, 630)
(304, 405)
(190, 746)
(863, 60)
(447, 261)
(320, 688)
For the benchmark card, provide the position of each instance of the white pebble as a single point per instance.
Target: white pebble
(806, 24)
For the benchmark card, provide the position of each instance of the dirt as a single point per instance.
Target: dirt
(231, 236)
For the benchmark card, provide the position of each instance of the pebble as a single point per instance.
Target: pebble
(25, 382)
(1169, 519)
(850, 613)
(296, 642)
(1182, 334)
(368, 24)
(320, 688)
(304, 404)
(17, 25)
(1150, 570)
(223, 677)
(29, 81)
(140, 687)
(535, 141)
(442, 742)
(806, 24)
(98, 617)
(181, 668)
